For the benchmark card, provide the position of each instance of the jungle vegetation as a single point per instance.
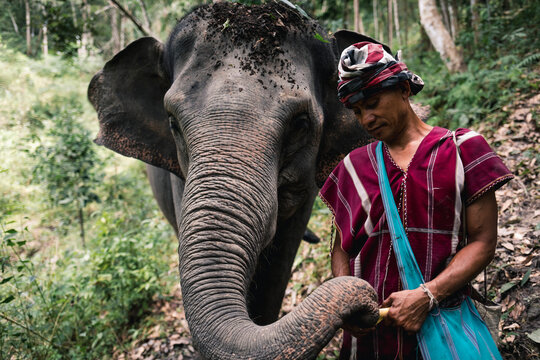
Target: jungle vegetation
(84, 253)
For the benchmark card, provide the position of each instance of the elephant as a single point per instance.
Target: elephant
(237, 117)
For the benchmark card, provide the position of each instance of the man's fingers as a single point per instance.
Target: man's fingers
(387, 302)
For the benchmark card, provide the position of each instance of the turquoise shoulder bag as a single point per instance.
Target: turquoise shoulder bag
(457, 333)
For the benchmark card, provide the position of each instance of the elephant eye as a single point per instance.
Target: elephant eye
(177, 135)
(300, 125)
(297, 134)
(173, 125)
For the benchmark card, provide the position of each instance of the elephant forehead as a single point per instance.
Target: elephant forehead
(261, 37)
(268, 24)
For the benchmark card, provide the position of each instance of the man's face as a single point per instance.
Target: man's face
(383, 115)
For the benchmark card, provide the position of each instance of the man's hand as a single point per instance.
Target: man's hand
(408, 309)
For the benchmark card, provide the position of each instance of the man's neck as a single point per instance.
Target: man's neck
(414, 131)
(404, 146)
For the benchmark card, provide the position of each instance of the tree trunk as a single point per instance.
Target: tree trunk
(73, 13)
(389, 22)
(15, 27)
(358, 23)
(375, 20)
(324, 7)
(45, 40)
(474, 19)
(440, 38)
(445, 17)
(81, 224)
(45, 43)
(28, 28)
(406, 7)
(346, 14)
(115, 33)
(452, 10)
(396, 21)
(86, 36)
(355, 11)
(381, 26)
(145, 14)
(122, 32)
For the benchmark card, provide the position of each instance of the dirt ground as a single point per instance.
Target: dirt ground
(514, 275)
(513, 278)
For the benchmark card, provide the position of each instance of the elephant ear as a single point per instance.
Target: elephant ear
(128, 97)
(345, 38)
(342, 132)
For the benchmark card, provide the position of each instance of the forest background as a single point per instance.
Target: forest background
(88, 265)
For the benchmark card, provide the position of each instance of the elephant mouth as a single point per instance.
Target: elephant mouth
(290, 198)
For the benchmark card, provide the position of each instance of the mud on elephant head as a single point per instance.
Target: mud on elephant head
(238, 114)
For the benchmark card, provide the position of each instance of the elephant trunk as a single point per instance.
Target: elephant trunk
(227, 220)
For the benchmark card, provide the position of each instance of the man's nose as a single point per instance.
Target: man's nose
(367, 119)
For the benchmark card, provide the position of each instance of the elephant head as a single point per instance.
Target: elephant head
(240, 104)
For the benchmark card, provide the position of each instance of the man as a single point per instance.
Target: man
(430, 181)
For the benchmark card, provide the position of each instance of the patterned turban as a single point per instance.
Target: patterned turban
(365, 68)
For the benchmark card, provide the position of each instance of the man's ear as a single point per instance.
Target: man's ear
(405, 89)
(128, 97)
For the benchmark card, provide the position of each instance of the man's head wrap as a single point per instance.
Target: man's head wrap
(366, 68)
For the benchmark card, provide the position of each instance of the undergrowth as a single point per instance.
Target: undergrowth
(478, 95)
(58, 299)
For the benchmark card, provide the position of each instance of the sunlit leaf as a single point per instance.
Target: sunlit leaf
(535, 336)
(525, 277)
(507, 287)
(226, 24)
(320, 38)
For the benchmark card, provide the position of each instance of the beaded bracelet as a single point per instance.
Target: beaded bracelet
(432, 301)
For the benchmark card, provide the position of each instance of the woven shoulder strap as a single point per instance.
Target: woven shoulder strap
(410, 274)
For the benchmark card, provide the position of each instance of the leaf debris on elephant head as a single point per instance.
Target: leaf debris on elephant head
(320, 38)
(226, 24)
(260, 30)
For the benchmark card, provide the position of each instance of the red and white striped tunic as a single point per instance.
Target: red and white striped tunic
(429, 195)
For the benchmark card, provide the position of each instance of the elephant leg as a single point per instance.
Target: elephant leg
(160, 182)
(177, 185)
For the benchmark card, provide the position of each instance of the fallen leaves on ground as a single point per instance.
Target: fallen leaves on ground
(513, 278)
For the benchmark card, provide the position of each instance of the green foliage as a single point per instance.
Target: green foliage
(66, 160)
(58, 301)
(479, 94)
(313, 261)
(529, 60)
(87, 305)
(500, 69)
(503, 29)
(63, 28)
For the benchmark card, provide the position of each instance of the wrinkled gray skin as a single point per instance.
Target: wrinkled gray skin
(236, 164)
